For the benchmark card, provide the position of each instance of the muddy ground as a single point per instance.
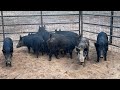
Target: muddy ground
(27, 66)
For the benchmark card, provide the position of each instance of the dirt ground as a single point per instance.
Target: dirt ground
(27, 66)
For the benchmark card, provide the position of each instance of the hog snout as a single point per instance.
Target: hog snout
(101, 56)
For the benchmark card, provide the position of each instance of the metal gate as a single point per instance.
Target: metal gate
(86, 23)
(15, 23)
(108, 21)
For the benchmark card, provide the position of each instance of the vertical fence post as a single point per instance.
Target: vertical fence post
(79, 22)
(41, 20)
(2, 24)
(111, 27)
(81, 18)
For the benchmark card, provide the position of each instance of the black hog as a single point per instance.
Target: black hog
(83, 50)
(25, 41)
(32, 41)
(101, 45)
(67, 33)
(74, 37)
(38, 45)
(52, 44)
(8, 50)
(41, 28)
(31, 34)
(45, 34)
(59, 42)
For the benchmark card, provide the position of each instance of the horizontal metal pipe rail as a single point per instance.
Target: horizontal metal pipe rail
(97, 15)
(57, 15)
(97, 33)
(101, 15)
(97, 24)
(109, 44)
(115, 45)
(30, 32)
(100, 25)
(40, 23)
(61, 23)
(45, 15)
(40, 15)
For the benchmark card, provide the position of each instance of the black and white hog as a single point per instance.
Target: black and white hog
(83, 50)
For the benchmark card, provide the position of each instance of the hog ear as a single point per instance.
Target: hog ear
(77, 49)
(96, 45)
(20, 37)
(3, 51)
(44, 26)
(29, 33)
(55, 30)
(50, 35)
(11, 50)
(79, 37)
(39, 28)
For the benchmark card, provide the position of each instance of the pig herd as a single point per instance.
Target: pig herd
(59, 42)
